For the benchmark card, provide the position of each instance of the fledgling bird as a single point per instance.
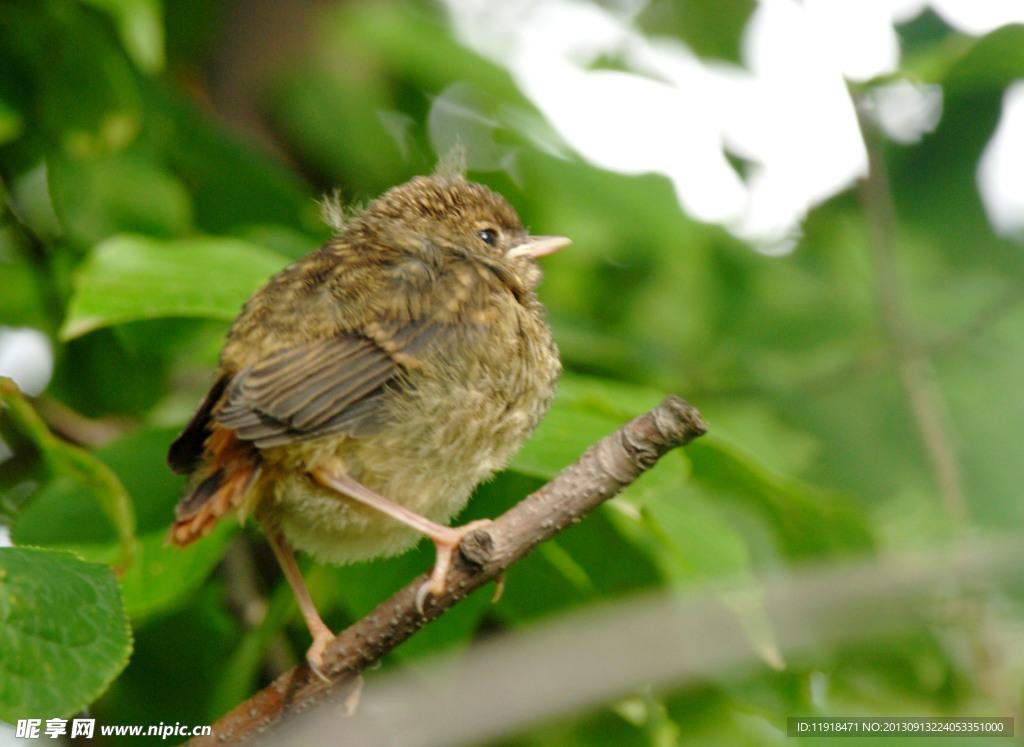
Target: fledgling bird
(367, 388)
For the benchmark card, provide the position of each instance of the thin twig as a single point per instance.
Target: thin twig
(602, 472)
(926, 398)
(72, 426)
(913, 363)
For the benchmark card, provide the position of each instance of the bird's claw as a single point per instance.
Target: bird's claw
(446, 546)
(315, 655)
(421, 596)
(499, 587)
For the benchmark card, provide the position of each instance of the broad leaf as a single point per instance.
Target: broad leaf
(64, 634)
(131, 278)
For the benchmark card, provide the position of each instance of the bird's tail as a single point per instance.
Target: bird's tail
(219, 488)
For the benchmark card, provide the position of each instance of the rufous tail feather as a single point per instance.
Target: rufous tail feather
(220, 488)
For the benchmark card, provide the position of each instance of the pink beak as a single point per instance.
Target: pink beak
(539, 246)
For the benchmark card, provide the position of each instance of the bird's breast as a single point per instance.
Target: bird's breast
(451, 422)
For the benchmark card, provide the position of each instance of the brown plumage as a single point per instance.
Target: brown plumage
(368, 387)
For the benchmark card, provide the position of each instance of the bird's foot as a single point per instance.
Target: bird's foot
(446, 542)
(315, 654)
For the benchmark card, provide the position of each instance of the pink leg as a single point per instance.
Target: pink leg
(322, 635)
(445, 539)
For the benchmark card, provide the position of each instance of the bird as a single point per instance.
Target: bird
(367, 388)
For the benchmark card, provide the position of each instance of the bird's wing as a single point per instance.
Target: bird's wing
(321, 388)
(298, 393)
(186, 453)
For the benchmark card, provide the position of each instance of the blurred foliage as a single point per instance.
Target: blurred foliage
(135, 222)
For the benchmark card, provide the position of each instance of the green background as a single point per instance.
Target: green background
(863, 393)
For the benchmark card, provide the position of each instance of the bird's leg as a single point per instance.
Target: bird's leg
(445, 539)
(322, 635)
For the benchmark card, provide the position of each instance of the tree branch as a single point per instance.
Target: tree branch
(602, 472)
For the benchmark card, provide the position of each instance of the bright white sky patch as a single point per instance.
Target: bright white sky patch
(979, 17)
(1000, 172)
(905, 111)
(26, 356)
(787, 111)
(856, 37)
(792, 117)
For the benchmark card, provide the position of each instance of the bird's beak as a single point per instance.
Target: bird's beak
(539, 246)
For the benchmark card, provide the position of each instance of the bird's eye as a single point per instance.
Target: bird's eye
(489, 236)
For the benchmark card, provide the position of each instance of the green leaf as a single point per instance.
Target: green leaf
(140, 25)
(699, 544)
(935, 184)
(70, 94)
(585, 411)
(160, 575)
(64, 635)
(711, 28)
(73, 468)
(12, 123)
(130, 278)
(233, 185)
(702, 543)
(808, 520)
(97, 194)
